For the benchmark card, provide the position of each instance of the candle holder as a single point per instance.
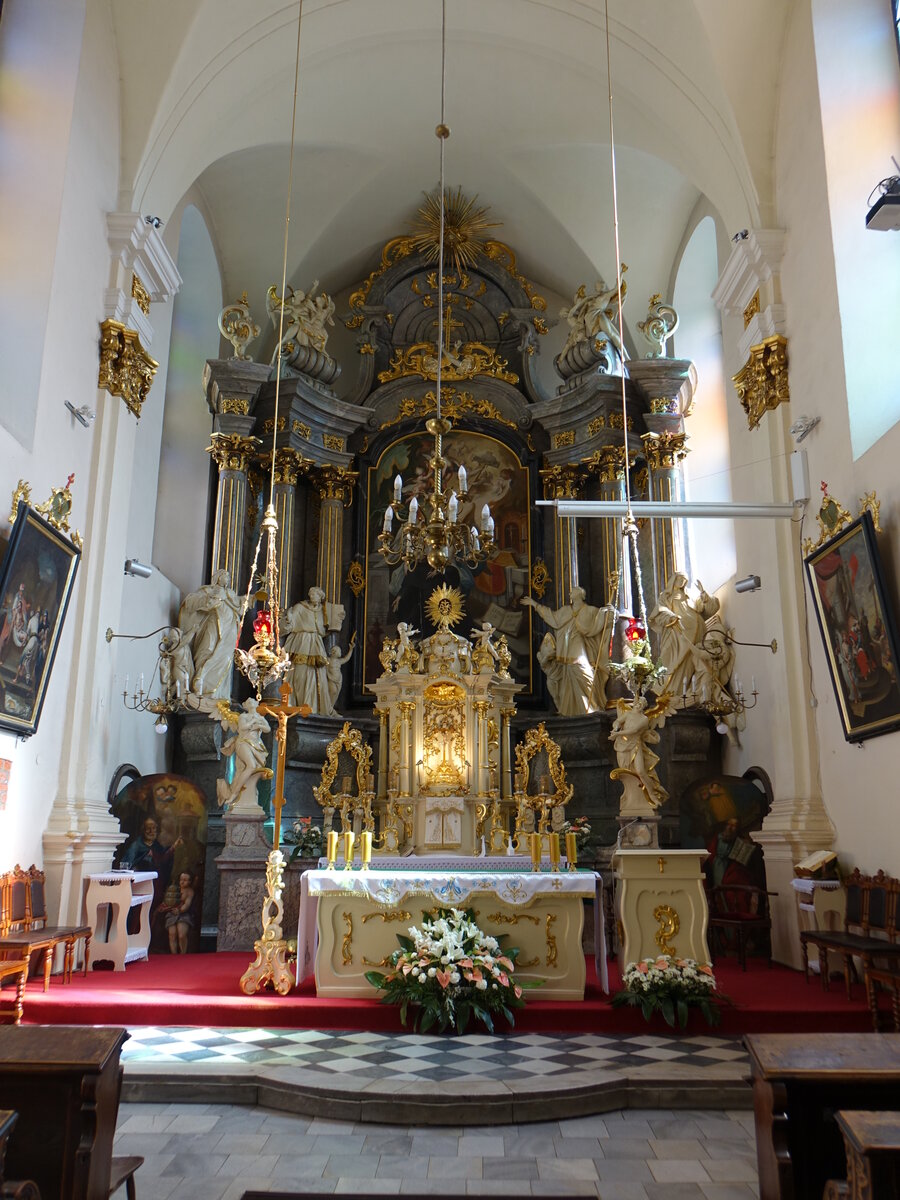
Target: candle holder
(365, 848)
(536, 844)
(332, 844)
(554, 851)
(349, 839)
(571, 851)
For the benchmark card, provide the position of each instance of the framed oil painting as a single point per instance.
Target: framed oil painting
(493, 590)
(858, 629)
(36, 579)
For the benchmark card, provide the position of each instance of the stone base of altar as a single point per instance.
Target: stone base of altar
(357, 922)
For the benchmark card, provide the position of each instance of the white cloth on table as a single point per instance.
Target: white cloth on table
(449, 888)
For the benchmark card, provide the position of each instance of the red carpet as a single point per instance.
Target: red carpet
(202, 990)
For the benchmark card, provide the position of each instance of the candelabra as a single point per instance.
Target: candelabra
(440, 536)
(141, 701)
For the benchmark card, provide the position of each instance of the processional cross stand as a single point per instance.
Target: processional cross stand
(270, 965)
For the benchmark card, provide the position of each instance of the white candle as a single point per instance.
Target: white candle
(490, 526)
(463, 482)
(453, 507)
(398, 489)
(753, 684)
(142, 683)
(485, 517)
(476, 540)
(413, 511)
(388, 519)
(126, 683)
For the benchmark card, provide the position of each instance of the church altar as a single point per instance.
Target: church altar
(349, 921)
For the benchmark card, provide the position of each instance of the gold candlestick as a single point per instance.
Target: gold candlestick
(554, 851)
(332, 842)
(571, 851)
(349, 839)
(365, 848)
(535, 841)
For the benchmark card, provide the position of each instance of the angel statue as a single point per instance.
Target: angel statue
(592, 318)
(659, 325)
(484, 653)
(333, 673)
(250, 756)
(633, 734)
(305, 318)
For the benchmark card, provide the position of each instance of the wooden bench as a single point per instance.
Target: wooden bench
(888, 981)
(26, 1190)
(872, 1147)
(871, 909)
(23, 923)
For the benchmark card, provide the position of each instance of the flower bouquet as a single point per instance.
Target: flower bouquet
(305, 838)
(671, 986)
(582, 830)
(448, 972)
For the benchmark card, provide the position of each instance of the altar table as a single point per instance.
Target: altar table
(349, 921)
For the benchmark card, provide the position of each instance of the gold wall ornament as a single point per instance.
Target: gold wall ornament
(237, 326)
(444, 740)
(540, 325)
(388, 915)
(664, 451)
(356, 578)
(561, 482)
(615, 421)
(334, 441)
(832, 517)
(502, 918)
(566, 437)
(235, 404)
(465, 223)
(453, 406)
(365, 348)
(126, 369)
(669, 923)
(335, 483)
(232, 451)
(540, 578)
(535, 741)
(140, 295)
(661, 405)
(290, 465)
(871, 504)
(762, 383)
(552, 948)
(392, 252)
(752, 308)
(300, 428)
(347, 941)
(609, 463)
(55, 510)
(350, 741)
(596, 425)
(271, 425)
(471, 360)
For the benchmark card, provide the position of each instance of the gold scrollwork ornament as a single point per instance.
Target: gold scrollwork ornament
(356, 578)
(669, 923)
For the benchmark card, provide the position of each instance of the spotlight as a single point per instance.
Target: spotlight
(741, 236)
(156, 222)
(750, 584)
(84, 415)
(141, 570)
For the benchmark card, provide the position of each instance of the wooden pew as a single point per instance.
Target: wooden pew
(9, 1190)
(872, 1146)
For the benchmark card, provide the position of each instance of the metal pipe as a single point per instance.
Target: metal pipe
(681, 508)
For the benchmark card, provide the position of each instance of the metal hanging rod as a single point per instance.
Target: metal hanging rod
(663, 508)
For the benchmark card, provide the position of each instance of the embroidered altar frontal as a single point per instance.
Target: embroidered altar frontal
(349, 921)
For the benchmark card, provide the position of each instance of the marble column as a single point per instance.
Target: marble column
(288, 466)
(406, 708)
(664, 453)
(335, 488)
(382, 714)
(610, 466)
(506, 771)
(231, 453)
(482, 767)
(563, 483)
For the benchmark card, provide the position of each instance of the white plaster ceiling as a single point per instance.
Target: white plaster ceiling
(206, 93)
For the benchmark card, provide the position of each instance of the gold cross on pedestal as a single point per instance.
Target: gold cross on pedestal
(270, 964)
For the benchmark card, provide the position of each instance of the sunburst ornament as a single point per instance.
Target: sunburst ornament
(445, 606)
(465, 223)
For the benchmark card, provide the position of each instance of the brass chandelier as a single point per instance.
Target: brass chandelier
(432, 530)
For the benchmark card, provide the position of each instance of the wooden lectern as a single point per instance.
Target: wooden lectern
(661, 904)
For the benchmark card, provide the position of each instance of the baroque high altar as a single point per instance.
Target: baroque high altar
(449, 706)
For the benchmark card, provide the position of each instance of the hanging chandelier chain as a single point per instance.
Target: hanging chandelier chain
(441, 139)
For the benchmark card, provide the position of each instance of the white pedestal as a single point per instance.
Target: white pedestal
(662, 904)
(108, 900)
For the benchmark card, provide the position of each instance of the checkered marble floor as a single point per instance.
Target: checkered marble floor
(515, 1058)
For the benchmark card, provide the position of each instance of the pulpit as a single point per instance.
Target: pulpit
(662, 904)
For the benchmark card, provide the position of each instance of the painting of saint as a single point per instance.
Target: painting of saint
(492, 590)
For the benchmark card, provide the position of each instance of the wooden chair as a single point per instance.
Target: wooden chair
(122, 1171)
(16, 969)
(69, 934)
(871, 909)
(16, 939)
(742, 910)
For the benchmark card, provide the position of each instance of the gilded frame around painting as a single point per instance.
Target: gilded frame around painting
(36, 579)
(858, 629)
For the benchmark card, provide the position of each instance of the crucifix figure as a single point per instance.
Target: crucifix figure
(450, 323)
(270, 964)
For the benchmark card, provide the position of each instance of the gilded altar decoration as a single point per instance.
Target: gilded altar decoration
(444, 743)
(463, 362)
(538, 742)
(126, 369)
(237, 326)
(334, 441)
(300, 428)
(239, 405)
(453, 405)
(348, 757)
(552, 959)
(664, 451)
(140, 295)
(596, 425)
(270, 964)
(465, 223)
(394, 250)
(540, 578)
(445, 606)
(752, 308)
(658, 326)
(832, 517)
(566, 437)
(762, 383)
(502, 254)
(356, 578)
(306, 318)
(232, 451)
(55, 510)
(347, 941)
(669, 923)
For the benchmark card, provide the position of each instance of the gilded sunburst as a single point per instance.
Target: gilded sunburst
(445, 606)
(465, 224)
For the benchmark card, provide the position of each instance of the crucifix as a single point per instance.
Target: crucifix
(270, 964)
(450, 323)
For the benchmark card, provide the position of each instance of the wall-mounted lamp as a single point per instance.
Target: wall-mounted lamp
(750, 584)
(141, 570)
(83, 415)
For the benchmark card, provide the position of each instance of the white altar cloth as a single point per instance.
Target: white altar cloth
(448, 888)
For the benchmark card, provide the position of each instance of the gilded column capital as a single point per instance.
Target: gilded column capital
(562, 482)
(481, 707)
(608, 463)
(334, 483)
(289, 465)
(232, 451)
(762, 382)
(126, 369)
(664, 451)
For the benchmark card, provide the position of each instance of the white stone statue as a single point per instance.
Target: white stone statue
(176, 664)
(305, 319)
(303, 630)
(658, 326)
(333, 671)
(405, 653)
(632, 735)
(576, 659)
(594, 317)
(209, 620)
(238, 327)
(484, 652)
(250, 757)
